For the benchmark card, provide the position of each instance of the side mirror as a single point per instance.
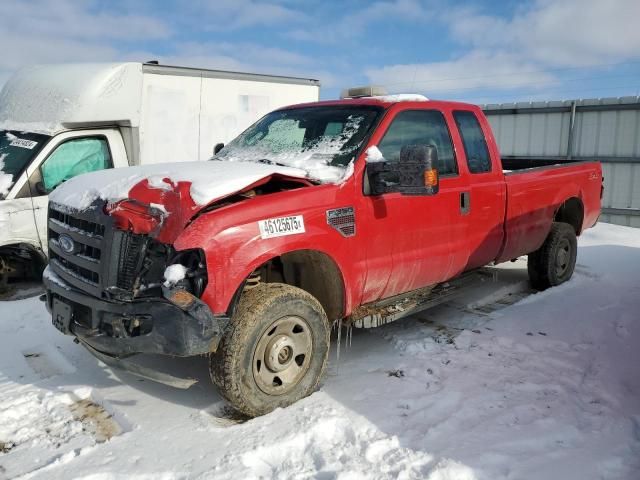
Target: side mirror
(413, 174)
(217, 148)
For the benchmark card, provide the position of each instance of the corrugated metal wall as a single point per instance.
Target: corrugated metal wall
(606, 129)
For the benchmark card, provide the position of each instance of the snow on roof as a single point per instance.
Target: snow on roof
(43, 98)
(210, 180)
(401, 97)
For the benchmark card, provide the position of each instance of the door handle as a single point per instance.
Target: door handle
(465, 203)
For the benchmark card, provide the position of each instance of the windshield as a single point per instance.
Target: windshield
(320, 140)
(17, 149)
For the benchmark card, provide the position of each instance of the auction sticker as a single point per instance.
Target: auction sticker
(279, 227)
(22, 143)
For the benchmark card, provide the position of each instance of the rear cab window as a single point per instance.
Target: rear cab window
(420, 127)
(475, 145)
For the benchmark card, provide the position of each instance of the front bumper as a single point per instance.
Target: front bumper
(106, 326)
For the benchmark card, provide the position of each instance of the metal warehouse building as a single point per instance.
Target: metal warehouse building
(606, 129)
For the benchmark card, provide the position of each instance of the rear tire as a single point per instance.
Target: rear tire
(274, 351)
(553, 263)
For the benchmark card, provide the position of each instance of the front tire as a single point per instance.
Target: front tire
(553, 263)
(274, 351)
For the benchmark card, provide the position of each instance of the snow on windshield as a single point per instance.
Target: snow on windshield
(321, 141)
(17, 149)
(6, 179)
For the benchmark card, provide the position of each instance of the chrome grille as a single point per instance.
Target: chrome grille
(81, 266)
(87, 227)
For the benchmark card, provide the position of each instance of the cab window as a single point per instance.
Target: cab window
(475, 146)
(420, 127)
(74, 157)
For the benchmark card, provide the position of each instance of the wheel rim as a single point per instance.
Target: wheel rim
(563, 257)
(282, 355)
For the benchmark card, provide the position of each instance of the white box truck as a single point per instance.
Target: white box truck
(58, 121)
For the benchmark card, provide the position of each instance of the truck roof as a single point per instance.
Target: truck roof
(384, 101)
(50, 98)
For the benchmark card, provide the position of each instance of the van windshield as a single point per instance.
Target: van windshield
(320, 140)
(17, 149)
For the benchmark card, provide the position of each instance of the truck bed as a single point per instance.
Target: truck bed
(535, 193)
(510, 164)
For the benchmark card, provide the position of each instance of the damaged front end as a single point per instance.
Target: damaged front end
(106, 280)
(105, 285)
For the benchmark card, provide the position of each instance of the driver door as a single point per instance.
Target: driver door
(414, 240)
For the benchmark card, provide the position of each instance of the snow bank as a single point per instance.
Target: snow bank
(209, 180)
(546, 388)
(28, 418)
(330, 441)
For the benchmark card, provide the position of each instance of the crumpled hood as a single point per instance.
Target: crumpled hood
(160, 200)
(206, 181)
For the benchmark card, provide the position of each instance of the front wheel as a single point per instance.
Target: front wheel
(274, 351)
(553, 263)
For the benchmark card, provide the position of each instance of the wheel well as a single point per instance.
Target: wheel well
(571, 212)
(310, 270)
(23, 260)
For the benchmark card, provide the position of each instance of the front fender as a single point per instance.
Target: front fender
(233, 253)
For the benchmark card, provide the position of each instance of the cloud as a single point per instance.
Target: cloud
(47, 31)
(566, 33)
(82, 31)
(79, 19)
(337, 27)
(472, 71)
(526, 50)
(250, 53)
(246, 57)
(238, 14)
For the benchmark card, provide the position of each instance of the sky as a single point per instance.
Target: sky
(477, 51)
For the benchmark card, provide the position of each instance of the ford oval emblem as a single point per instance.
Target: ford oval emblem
(66, 243)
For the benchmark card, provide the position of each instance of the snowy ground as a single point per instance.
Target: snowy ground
(484, 388)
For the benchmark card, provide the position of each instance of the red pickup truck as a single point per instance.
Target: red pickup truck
(356, 210)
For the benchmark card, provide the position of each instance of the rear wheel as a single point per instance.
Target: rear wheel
(274, 351)
(553, 263)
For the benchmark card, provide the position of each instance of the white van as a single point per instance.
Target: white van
(58, 121)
